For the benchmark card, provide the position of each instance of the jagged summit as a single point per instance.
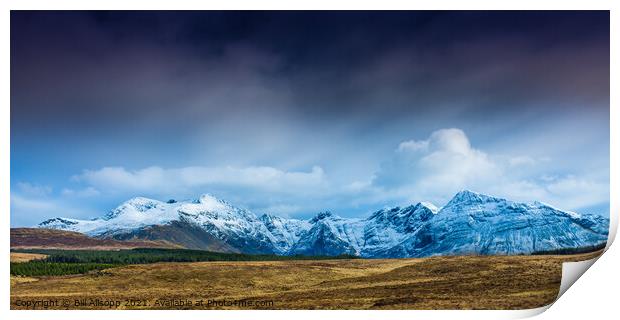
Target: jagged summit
(57, 223)
(268, 217)
(139, 204)
(210, 200)
(323, 215)
(468, 196)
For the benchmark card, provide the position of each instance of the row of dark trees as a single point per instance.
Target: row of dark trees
(61, 262)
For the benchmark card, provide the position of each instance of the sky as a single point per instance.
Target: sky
(292, 113)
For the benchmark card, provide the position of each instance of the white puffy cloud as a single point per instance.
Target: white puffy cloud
(439, 166)
(412, 145)
(189, 178)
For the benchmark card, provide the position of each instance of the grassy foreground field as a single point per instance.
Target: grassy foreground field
(468, 282)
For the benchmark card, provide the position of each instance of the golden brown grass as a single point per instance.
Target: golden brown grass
(25, 257)
(467, 282)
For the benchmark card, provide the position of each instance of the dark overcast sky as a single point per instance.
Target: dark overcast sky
(293, 91)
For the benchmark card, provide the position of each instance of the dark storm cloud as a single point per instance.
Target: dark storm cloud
(296, 112)
(142, 67)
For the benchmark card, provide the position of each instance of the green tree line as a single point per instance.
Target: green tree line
(59, 262)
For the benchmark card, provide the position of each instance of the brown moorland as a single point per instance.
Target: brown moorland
(460, 282)
(36, 238)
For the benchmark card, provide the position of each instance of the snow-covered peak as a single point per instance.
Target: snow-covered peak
(471, 197)
(210, 203)
(140, 201)
(429, 206)
(396, 214)
(209, 209)
(58, 223)
(137, 204)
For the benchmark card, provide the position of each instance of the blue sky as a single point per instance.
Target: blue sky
(293, 113)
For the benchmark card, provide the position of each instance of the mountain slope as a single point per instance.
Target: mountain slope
(209, 223)
(286, 232)
(184, 234)
(330, 235)
(473, 223)
(387, 228)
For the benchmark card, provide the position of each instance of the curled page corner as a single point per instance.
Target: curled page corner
(571, 271)
(529, 313)
(613, 226)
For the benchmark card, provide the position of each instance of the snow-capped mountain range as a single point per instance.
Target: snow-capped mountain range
(470, 223)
